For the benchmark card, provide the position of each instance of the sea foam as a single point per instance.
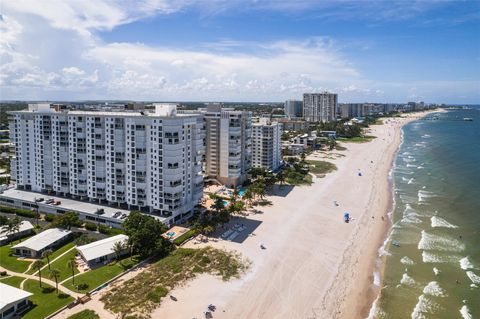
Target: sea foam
(440, 222)
(407, 261)
(429, 257)
(440, 243)
(465, 263)
(473, 277)
(424, 306)
(434, 289)
(465, 312)
(407, 280)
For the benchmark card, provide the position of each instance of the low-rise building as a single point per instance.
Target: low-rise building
(12, 301)
(25, 229)
(101, 251)
(34, 246)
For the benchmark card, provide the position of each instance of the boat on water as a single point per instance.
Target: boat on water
(468, 119)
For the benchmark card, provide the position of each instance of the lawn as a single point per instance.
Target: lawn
(61, 264)
(11, 262)
(138, 296)
(85, 314)
(12, 281)
(54, 255)
(320, 168)
(92, 279)
(45, 300)
(358, 139)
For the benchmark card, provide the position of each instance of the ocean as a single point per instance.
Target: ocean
(432, 256)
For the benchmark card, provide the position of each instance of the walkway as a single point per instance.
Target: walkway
(45, 280)
(53, 260)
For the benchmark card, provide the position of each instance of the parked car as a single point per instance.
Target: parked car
(49, 201)
(38, 200)
(57, 202)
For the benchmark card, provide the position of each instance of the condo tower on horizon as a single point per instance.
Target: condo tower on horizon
(320, 107)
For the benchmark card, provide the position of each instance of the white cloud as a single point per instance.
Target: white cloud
(52, 50)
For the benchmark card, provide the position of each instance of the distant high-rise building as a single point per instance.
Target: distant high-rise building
(293, 108)
(320, 107)
(228, 144)
(151, 161)
(266, 144)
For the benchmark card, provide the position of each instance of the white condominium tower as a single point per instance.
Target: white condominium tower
(266, 144)
(150, 160)
(320, 107)
(293, 108)
(228, 144)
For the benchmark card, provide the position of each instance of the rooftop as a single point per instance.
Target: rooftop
(44, 239)
(24, 225)
(100, 248)
(9, 295)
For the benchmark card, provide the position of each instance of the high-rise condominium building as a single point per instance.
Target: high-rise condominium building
(228, 144)
(148, 160)
(320, 107)
(266, 144)
(293, 108)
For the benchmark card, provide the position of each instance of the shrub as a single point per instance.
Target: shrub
(18, 211)
(184, 237)
(103, 229)
(90, 226)
(49, 217)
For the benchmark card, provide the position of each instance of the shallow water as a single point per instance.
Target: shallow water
(435, 273)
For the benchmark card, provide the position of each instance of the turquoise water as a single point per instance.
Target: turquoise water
(435, 273)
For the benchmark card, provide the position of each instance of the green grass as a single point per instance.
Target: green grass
(138, 296)
(358, 139)
(61, 264)
(10, 262)
(85, 314)
(320, 168)
(12, 281)
(45, 299)
(94, 278)
(54, 255)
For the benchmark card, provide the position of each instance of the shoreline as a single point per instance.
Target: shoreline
(380, 264)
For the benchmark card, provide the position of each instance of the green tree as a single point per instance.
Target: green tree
(72, 265)
(13, 226)
(55, 274)
(218, 205)
(38, 264)
(118, 249)
(248, 196)
(46, 254)
(67, 220)
(144, 234)
(281, 177)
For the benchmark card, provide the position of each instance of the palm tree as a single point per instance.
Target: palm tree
(13, 226)
(218, 205)
(55, 274)
(46, 254)
(118, 249)
(234, 195)
(38, 264)
(248, 196)
(72, 264)
(281, 178)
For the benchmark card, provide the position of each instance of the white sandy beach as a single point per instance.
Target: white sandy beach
(315, 265)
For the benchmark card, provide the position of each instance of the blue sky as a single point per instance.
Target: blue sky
(234, 50)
